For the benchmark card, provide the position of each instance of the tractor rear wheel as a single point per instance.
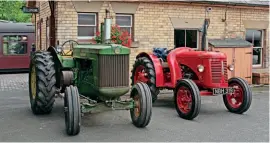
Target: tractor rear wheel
(142, 112)
(42, 83)
(187, 99)
(72, 110)
(143, 71)
(240, 101)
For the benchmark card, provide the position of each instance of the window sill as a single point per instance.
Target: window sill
(257, 66)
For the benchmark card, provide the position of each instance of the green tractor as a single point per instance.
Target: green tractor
(91, 78)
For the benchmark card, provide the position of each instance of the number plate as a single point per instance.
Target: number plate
(218, 91)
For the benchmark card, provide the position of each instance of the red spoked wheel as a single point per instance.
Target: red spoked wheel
(184, 99)
(235, 99)
(187, 99)
(143, 71)
(140, 75)
(239, 101)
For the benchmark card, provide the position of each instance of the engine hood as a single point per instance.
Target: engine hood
(211, 54)
(191, 53)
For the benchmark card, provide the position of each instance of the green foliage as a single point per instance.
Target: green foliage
(11, 11)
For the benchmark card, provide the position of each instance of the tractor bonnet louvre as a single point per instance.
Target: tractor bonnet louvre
(217, 73)
(113, 70)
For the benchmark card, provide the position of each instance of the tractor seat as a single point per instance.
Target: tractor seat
(68, 53)
(161, 53)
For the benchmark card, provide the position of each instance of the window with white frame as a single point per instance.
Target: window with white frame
(124, 21)
(87, 25)
(255, 37)
(186, 38)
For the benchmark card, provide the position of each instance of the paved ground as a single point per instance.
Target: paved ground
(214, 123)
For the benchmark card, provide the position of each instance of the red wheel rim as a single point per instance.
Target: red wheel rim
(140, 75)
(235, 99)
(184, 99)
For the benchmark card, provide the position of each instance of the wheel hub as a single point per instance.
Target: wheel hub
(140, 75)
(184, 99)
(235, 99)
(137, 106)
(33, 82)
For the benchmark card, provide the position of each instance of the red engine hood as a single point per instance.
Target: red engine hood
(189, 52)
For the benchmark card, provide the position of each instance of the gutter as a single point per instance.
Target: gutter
(230, 3)
(195, 2)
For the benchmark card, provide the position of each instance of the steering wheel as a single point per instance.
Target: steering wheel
(71, 44)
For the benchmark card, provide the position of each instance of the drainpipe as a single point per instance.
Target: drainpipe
(52, 30)
(107, 28)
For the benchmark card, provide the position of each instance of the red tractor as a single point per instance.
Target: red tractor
(192, 74)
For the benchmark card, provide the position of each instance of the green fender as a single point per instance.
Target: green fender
(61, 63)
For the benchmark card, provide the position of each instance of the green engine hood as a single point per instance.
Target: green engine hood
(86, 50)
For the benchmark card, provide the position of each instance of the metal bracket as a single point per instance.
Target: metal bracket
(94, 107)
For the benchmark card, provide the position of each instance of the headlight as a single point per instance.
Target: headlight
(231, 67)
(200, 68)
(117, 50)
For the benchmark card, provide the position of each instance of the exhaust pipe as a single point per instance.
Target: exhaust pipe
(107, 28)
(204, 36)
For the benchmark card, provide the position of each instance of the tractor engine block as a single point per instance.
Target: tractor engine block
(188, 73)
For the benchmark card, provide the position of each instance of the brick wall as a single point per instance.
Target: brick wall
(42, 17)
(66, 22)
(153, 27)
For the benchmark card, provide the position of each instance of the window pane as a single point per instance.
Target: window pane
(179, 38)
(126, 29)
(15, 45)
(86, 19)
(191, 38)
(86, 30)
(123, 20)
(257, 56)
(257, 38)
(249, 36)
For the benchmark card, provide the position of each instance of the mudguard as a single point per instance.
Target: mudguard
(157, 65)
(56, 58)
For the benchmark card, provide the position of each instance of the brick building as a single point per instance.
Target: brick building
(157, 23)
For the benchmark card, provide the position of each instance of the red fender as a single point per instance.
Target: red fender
(157, 67)
(174, 64)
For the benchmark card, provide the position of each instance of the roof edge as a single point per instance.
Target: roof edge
(213, 2)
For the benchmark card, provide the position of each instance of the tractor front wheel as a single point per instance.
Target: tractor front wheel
(143, 71)
(42, 83)
(72, 110)
(142, 111)
(187, 99)
(239, 101)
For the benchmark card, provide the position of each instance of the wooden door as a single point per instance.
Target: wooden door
(243, 63)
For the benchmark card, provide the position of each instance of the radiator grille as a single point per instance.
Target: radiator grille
(114, 70)
(225, 71)
(216, 67)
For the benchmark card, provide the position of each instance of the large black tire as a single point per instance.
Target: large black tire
(149, 68)
(192, 90)
(72, 110)
(42, 83)
(244, 91)
(143, 103)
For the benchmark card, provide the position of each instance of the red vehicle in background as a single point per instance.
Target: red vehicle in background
(16, 40)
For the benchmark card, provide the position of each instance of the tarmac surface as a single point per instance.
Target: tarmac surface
(213, 124)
